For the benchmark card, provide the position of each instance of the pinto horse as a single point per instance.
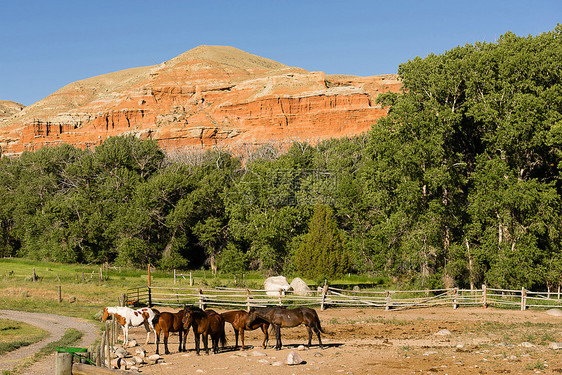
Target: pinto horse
(281, 317)
(170, 322)
(128, 317)
(206, 323)
(240, 323)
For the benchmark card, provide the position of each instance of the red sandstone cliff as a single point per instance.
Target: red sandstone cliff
(210, 95)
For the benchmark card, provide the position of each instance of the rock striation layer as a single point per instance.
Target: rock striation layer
(208, 96)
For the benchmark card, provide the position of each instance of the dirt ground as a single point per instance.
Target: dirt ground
(369, 341)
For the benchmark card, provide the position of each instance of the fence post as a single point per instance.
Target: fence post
(107, 356)
(101, 275)
(248, 298)
(280, 297)
(201, 300)
(149, 296)
(174, 276)
(324, 293)
(63, 363)
(60, 294)
(523, 299)
(102, 351)
(190, 280)
(388, 303)
(455, 296)
(484, 300)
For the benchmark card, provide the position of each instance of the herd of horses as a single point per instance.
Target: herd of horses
(208, 323)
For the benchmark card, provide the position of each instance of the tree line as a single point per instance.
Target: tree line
(459, 185)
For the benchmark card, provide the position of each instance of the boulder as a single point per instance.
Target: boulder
(554, 312)
(300, 288)
(293, 358)
(555, 345)
(274, 284)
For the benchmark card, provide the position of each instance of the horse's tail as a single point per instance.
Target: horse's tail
(156, 317)
(318, 322)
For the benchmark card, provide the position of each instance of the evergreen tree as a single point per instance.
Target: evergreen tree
(322, 253)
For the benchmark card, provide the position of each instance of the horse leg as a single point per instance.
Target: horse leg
(241, 337)
(181, 336)
(309, 335)
(277, 328)
(147, 332)
(206, 343)
(319, 339)
(157, 333)
(236, 339)
(197, 344)
(166, 334)
(215, 343)
(125, 334)
(264, 329)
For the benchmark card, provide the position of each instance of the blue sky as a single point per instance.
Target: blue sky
(48, 44)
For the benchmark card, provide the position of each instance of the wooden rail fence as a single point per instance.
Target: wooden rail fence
(335, 297)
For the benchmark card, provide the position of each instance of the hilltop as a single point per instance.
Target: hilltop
(207, 96)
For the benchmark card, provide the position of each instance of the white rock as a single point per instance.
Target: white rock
(132, 343)
(153, 358)
(554, 312)
(301, 347)
(293, 358)
(527, 345)
(277, 363)
(121, 353)
(140, 352)
(116, 363)
(443, 332)
(138, 360)
(555, 345)
(259, 354)
(430, 352)
(274, 284)
(299, 287)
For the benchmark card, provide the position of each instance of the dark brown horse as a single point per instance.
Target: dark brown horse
(167, 322)
(239, 320)
(206, 323)
(281, 317)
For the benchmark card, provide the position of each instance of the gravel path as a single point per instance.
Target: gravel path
(57, 326)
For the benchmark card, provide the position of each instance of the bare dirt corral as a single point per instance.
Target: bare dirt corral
(368, 341)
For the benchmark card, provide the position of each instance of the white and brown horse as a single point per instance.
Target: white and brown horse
(128, 317)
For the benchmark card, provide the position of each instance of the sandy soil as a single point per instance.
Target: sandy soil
(367, 341)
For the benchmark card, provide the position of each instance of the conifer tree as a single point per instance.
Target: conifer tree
(322, 254)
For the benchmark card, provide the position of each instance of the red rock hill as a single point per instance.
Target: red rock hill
(210, 95)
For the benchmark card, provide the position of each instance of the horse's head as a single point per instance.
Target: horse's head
(252, 316)
(187, 319)
(105, 315)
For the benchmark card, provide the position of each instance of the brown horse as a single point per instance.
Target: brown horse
(239, 321)
(206, 323)
(281, 317)
(167, 322)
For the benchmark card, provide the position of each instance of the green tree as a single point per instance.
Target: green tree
(322, 253)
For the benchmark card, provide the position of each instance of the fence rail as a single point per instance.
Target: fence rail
(334, 297)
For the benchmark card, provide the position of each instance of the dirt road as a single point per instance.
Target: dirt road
(56, 325)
